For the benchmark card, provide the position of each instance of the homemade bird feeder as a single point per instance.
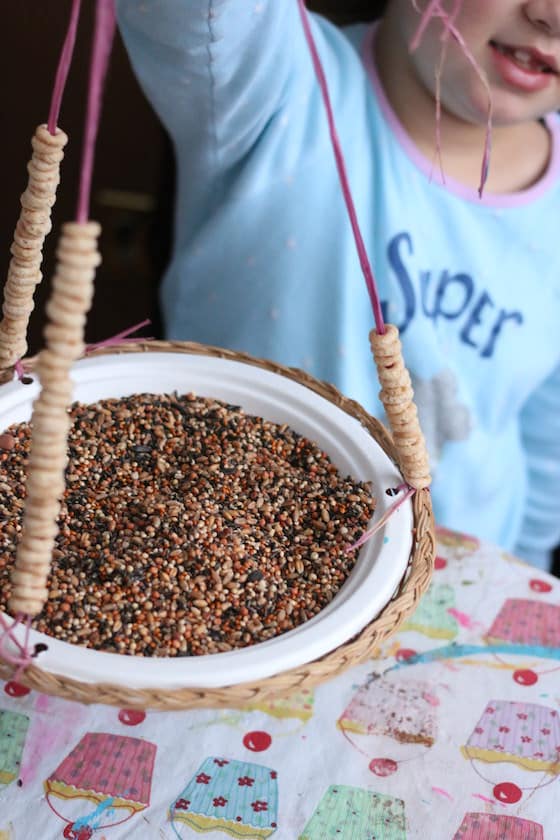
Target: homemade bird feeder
(396, 555)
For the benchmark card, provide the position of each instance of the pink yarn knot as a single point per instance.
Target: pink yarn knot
(24, 657)
(19, 369)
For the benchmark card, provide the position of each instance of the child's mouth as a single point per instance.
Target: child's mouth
(522, 67)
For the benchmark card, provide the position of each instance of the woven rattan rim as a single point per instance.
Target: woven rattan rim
(415, 582)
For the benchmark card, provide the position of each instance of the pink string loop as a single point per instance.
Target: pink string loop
(63, 68)
(343, 175)
(434, 9)
(121, 338)
(23, 658)
(105, 25)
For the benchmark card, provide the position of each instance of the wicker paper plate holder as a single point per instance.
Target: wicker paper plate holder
(356, 650)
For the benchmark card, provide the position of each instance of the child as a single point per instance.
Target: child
(264, 259)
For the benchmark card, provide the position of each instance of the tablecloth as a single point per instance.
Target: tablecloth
(450, 732)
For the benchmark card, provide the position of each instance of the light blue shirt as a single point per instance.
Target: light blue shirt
(264, 259)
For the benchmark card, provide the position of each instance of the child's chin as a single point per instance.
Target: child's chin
(507, 109)
(510, 108)
(508, 114)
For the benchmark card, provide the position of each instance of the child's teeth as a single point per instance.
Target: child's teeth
(523, 56)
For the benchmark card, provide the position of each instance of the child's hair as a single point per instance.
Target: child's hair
(349, 11)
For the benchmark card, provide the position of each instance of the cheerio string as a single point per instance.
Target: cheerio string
(342, 173)
(103, 38)
(105, 24)
(102, 42)
(64, 63)
(386, 347)
(61, 77)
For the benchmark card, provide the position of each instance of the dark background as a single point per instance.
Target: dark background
(132, 193)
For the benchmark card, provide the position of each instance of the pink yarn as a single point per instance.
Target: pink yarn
(341, 167)
(439, 74)
(24, 657)
(105, 24)
(64, 66)
(432, 9)
(362, 253)
(120, 338)
(435, 9)
(367, 535)
(19, 369)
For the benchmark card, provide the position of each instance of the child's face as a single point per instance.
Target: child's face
(516, 45)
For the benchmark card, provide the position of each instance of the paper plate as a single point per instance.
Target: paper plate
(382, 561)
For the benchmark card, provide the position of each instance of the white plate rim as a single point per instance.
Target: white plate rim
(382, 561)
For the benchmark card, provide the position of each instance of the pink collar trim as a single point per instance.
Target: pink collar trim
(431, 170)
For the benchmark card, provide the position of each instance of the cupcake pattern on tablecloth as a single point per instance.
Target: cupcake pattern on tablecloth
(350, 813)
(461, 543)
(296, 705)
(432, 617)
(111, 771)
(498, 827)
(401, 710)
(525, 734)
(526, 622)
(13, 731)
(237, 797)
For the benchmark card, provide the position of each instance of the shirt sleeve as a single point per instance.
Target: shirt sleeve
(540, 427)
(223, 75)
(216, 71)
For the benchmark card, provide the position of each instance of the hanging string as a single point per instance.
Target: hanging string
(342, 173)
(23, 657)
(61, 77)
(385, 345)
(77, 253)
(64, 63)
(105, 24)
(104, 32)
